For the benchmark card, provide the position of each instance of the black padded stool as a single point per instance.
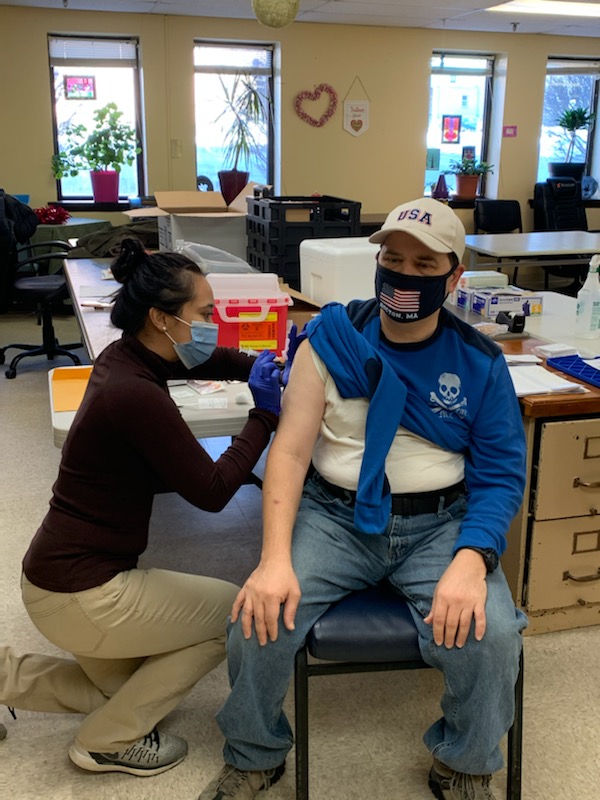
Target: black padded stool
(369, 631)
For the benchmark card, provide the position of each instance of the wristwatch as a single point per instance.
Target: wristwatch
(489, 555)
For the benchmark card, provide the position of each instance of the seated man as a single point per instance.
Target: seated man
(411, 421)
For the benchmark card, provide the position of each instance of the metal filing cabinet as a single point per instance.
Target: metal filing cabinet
(558, 539)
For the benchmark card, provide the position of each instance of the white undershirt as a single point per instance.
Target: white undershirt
(413, 464)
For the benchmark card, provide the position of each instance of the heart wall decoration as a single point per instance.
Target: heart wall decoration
(302, 97)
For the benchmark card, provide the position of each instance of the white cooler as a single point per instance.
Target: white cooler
(338, 269)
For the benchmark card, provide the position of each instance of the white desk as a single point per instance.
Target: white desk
(84, 277)
(204, 423)
(534, 245)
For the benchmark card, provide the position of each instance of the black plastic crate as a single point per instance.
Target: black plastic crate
(316, 211)
(287, 268)
(275, 227)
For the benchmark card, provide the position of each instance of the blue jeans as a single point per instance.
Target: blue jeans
(331, 559)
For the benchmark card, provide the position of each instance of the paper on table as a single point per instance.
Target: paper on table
(592, 362)
(522, 358)
(537, 380)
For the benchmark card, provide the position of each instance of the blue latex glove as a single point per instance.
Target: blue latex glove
(263, 382)
(294, 341)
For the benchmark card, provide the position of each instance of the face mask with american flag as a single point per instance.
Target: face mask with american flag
(406, 298)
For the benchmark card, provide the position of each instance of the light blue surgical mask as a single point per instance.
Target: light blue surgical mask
(201, 346)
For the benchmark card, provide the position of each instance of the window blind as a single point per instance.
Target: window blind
(73, 51)
(461, 64)
(573, 66)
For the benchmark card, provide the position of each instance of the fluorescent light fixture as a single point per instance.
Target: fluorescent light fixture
(551, 8)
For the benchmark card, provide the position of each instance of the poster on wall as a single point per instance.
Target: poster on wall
(356, 116)
(80, 87)
(451, 129)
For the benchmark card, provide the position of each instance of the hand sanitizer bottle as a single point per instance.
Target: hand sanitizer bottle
(587, 321)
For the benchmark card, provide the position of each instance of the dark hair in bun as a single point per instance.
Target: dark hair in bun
(150, 280)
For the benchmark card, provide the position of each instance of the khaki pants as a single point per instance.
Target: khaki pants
(141, 642)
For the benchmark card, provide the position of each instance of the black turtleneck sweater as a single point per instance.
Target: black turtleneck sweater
(127, 441)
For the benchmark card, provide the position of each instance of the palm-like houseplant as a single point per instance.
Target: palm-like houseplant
(245, 119)
(573, 120)
(468, 172)
(104, 151)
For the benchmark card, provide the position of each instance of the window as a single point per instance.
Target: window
(223, 71)
(87, 74)
(570, 84)
(460, 100)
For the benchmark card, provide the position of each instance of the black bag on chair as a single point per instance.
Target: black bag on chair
(17, 224)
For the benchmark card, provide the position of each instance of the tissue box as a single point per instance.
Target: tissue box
(489, 302)
(463, 298)
(472, 279)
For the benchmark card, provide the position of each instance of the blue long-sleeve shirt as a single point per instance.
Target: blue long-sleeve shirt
(459, 395)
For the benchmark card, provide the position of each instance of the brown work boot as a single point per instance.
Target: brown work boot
(447, 784)
(237, 784)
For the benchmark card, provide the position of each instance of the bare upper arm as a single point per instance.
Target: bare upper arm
(303, 406)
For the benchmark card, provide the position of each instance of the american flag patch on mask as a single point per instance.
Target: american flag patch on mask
(401, 300)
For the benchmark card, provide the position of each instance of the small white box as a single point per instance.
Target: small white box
(482, 278)
(489, 302)
(338, 269)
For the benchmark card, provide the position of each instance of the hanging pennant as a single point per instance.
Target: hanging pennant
(356, 116)
(356, 112)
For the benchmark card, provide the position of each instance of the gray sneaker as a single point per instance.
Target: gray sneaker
(446, 784)
(235, 784)
(152, 754)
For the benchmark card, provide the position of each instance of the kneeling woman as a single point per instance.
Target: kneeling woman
(141, 638)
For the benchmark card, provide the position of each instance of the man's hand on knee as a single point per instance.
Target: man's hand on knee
(261, 598)
(459, 598)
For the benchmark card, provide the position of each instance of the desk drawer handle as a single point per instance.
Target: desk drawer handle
(584, 579)
(588, 484)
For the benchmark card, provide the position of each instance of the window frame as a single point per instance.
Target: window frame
(489, 73)
(53, 62)
(576, 65)
(271, 81)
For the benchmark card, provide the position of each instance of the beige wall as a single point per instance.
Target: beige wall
(381, 168)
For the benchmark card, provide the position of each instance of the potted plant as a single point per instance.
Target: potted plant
(245, 120)
(468, 172)
(571, 121)
(103, 151)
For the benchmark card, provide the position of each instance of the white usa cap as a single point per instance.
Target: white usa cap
(429, 221)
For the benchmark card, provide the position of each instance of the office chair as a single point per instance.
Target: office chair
(373, 630)
(558, 206)
(498, 216)
(33, 284)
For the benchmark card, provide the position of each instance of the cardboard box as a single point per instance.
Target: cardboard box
(250, 310)
(201, 217)
(338, 269)
(304, 308)
(489, 302)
